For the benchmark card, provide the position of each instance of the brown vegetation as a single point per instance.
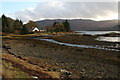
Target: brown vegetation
(25, 66)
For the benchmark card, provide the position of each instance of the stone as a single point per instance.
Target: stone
(65, 74)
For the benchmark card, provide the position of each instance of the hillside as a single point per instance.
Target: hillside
(82, 24)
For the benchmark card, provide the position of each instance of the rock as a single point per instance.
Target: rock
(82, 70)
(6, 47)
(19, 57)
(82, 78)
(35, 77)
(54, 69)
(99, 77)
(42, 66)
(65, 74)
(50, 69)
(56, 64)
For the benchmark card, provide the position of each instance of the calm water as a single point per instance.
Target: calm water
(101, 38)
(96, 32)
(76, 45)
(109, 39)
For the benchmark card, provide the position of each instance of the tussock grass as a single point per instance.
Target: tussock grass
(9, 71)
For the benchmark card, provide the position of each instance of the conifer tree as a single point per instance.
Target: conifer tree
(66, 25)
(17, 26)
(54, 24)
(4, 23)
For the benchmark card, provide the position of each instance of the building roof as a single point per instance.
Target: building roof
(35, 29)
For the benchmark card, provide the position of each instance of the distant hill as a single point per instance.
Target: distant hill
(82, 24)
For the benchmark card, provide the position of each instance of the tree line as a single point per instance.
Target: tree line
(16, 26)
(59, 27)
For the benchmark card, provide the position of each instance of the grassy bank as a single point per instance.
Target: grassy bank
(17, 67)
(35, 34)
(9, 71)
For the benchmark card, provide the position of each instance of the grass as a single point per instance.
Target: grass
(17, 36)
(14, 67)
(46, 33)
(9, 71)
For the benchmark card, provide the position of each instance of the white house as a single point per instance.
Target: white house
(35, 29)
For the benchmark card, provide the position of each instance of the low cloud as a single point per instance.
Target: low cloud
(48, 10)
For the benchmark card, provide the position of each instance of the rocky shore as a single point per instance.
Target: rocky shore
(80, 62)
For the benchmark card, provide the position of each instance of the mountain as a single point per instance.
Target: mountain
(81, 24)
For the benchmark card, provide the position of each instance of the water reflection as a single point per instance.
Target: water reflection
(96, 32)
(109, 39)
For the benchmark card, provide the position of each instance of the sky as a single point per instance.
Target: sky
(60, 10)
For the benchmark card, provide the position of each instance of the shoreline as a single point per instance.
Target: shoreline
(81, 62)
(86, 40)
(77, 45)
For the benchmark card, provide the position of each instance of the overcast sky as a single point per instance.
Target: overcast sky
(60, 10)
